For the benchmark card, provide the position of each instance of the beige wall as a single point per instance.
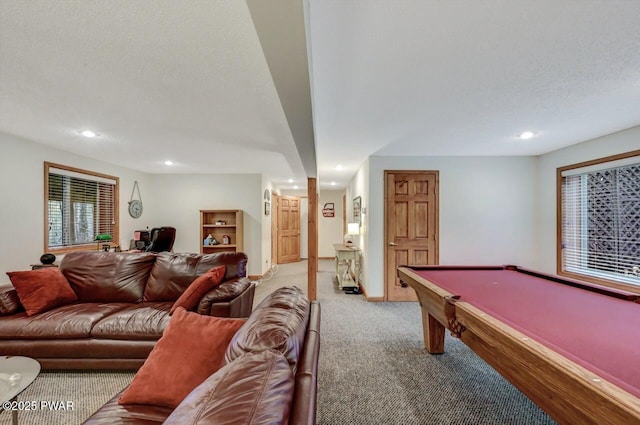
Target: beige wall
(329, 229)
(169, 200)
(21, 190)
(487, 211)
(623, 141)
(178, 198)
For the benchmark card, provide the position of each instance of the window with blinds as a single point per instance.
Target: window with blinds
(79, 206)
(600, 220)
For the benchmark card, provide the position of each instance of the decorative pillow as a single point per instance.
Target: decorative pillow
(41, 290)
(192, 295)
(257, 388)
(190, 350)
(9, 302)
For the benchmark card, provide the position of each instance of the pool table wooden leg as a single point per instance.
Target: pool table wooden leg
(433, 333)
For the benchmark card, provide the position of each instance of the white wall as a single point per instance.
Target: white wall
(487, 211)
(266, 228)
(178, 198)
(329, 228)
(359, 186)
(621, 142)
(21, 191)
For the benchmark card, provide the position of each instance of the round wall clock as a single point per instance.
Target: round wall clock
(135, 208)
(135, 205)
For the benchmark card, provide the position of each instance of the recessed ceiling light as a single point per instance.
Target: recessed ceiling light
(168, 162)
(333, 183)
(290, 180)
(295, 187)
(339, 167)
(88, 133)
(527, 135)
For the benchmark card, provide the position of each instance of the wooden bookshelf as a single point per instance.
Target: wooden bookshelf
(218, 224)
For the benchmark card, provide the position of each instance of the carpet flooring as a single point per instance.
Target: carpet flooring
(373, 370)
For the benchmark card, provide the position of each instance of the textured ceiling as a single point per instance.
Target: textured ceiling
(196, 82)
(466, 77)
(185, 81)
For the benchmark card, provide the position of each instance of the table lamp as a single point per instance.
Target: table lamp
(352, 229)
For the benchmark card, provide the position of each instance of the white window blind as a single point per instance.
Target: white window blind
(79, 207)
(601, 221)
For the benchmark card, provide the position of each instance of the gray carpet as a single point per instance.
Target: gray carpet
(87, 390)
(373, 370)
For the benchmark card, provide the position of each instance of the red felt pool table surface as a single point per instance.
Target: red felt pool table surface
(597, 331)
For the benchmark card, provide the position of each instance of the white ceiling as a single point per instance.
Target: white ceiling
(198, 83)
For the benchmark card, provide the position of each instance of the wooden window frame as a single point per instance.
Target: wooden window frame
(116, 213)
(559, 263)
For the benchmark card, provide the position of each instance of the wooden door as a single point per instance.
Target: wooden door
(411, 226)
(288, 229)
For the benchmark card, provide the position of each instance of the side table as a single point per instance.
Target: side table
(347, 261)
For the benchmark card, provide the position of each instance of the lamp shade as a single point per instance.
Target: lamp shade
(353, 229)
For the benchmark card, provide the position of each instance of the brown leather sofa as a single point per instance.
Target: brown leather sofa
(286, 323)
(123, 306)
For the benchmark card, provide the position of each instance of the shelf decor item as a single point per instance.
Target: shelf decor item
(357, 213)
(47, 258)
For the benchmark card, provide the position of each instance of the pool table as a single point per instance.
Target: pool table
(573, 348)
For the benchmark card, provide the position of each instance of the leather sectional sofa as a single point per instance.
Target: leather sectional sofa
(268, 374)
(122, 308)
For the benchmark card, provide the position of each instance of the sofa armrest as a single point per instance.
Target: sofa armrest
(232, 298)
(9, 301)
(305, 397)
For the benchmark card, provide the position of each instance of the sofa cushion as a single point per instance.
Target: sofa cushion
(41, 290)
(9, 302)
(255, 389)
(172, 273)
(204, 283)
(279, 322)
(139, 321)
(69, 321)
(107, 276)
(114, 413)
(190, 350)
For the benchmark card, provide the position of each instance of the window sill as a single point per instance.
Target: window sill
(630, 287)
(97, 246)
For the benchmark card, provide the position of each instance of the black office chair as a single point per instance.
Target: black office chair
(162, 239)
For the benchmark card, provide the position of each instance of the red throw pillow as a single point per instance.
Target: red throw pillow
(41, 290)
(196, 290)
(190, 350)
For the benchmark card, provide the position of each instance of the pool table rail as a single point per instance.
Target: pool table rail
(567, 391)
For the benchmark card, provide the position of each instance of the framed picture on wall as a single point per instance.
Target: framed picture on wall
(357, 210)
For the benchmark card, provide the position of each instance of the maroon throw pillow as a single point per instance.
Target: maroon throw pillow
(41, 290)
(203, 283)
(190, 350)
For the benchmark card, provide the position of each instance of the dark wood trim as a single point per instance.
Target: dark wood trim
(312, 262)
(559, 270)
